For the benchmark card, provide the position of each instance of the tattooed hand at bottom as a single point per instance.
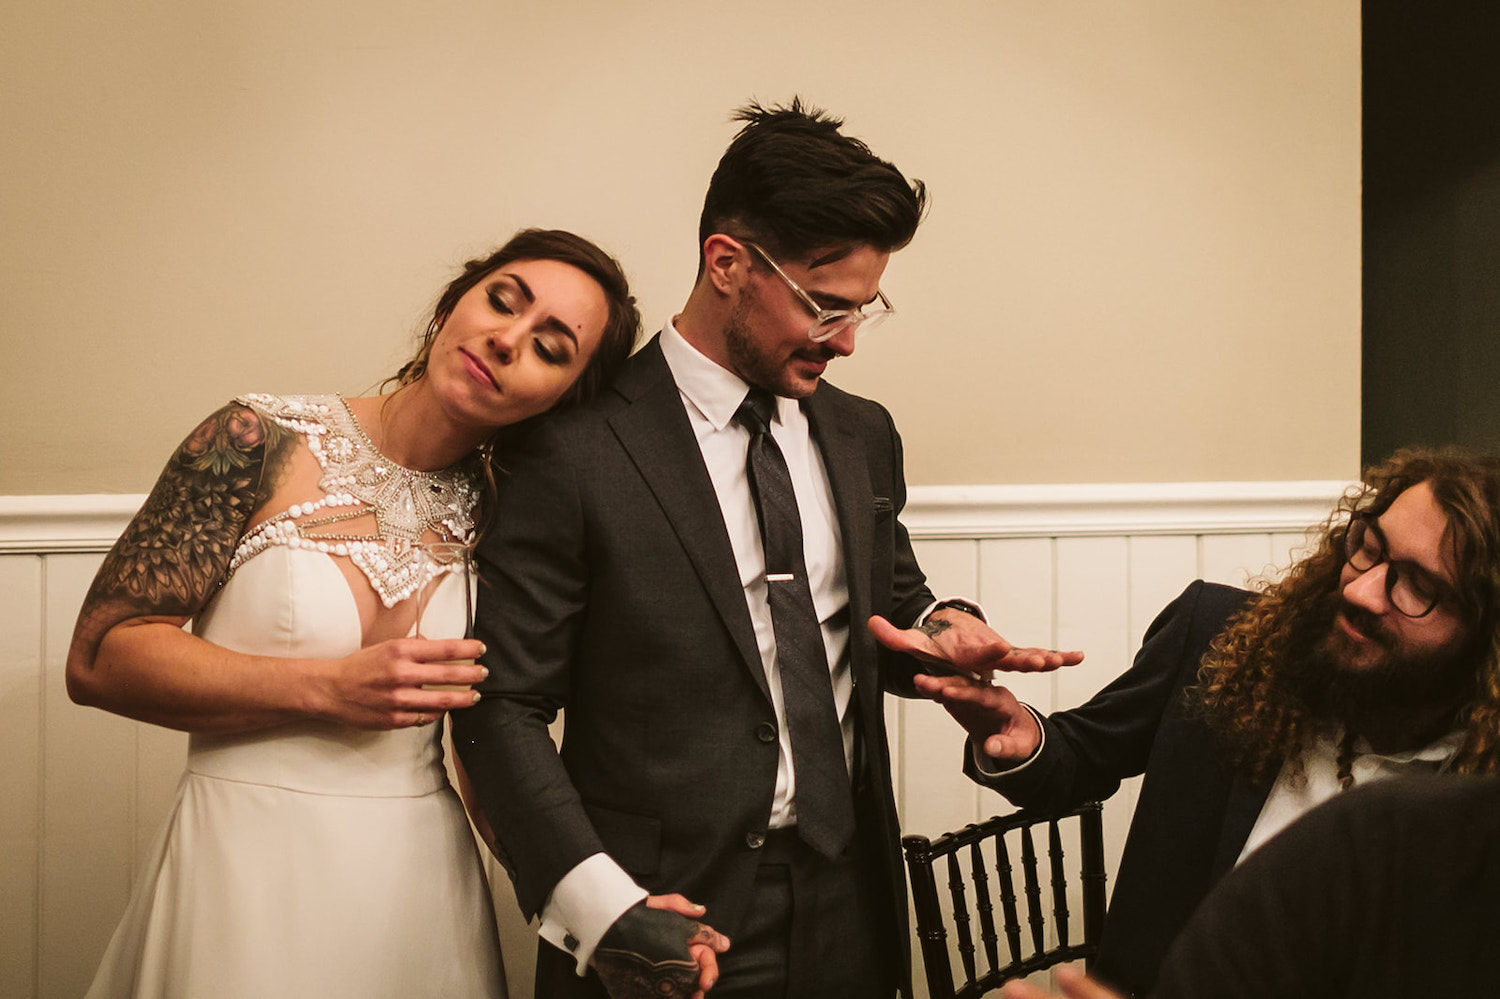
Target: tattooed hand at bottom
(655, 950)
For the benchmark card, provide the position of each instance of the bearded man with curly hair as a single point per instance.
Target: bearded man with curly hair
(1376, 655)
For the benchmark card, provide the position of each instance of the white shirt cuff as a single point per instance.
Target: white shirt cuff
(985, 763)
(968, 605)
(585, 903)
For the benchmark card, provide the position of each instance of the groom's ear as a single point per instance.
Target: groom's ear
(725, 262)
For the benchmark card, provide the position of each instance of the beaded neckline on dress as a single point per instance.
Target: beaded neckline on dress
(357, 481)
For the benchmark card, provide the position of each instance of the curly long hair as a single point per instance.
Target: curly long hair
(1259, 683)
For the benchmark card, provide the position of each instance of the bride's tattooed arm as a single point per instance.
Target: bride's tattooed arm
(175, 551)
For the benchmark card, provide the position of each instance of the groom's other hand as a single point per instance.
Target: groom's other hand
(658, 950)
(705, 946)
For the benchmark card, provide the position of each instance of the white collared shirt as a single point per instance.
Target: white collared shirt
(1291, 798)
(711, 394)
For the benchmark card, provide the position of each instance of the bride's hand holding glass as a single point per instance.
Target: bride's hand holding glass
(399, 682)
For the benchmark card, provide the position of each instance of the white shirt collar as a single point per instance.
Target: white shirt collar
(715, 391)
(1440, 751)
(1290, 798)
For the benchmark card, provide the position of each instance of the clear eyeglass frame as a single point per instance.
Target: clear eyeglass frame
(829, 323)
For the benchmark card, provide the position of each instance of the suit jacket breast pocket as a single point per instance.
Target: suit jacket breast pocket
(882, 544)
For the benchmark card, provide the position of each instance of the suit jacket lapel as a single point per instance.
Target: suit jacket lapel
(849, 478)
(654, 430)
(1241, 809)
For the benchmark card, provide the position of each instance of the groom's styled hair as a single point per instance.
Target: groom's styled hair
(793, 183)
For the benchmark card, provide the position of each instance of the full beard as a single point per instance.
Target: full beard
(1405, 698)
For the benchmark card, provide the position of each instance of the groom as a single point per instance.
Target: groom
(687, 566)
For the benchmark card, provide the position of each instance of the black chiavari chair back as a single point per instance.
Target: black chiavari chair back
(1001, 857)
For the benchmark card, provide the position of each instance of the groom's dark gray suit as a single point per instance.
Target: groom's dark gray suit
(609, 588)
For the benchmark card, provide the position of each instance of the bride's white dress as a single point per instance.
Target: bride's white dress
(309, 861)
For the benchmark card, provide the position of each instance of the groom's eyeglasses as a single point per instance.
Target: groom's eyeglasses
(829, 323)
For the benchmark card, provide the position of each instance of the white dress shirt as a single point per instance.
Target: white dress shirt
(1291, 798)
(711, 394)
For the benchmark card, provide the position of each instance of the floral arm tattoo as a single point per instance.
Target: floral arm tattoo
(176, 550)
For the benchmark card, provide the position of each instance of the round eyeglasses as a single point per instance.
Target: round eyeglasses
(829, 323)
(1411, 589)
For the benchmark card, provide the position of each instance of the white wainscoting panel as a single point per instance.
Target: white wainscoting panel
(21, 772)
(1084, 567)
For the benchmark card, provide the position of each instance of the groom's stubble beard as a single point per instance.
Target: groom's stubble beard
(756, 364)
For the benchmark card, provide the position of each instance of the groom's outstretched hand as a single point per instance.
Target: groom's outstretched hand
(658, 950)
(963, 644)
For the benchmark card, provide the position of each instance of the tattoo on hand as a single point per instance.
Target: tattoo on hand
(646, 954)
(628, 974)
(933, 627)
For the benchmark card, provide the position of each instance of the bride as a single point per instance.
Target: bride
(319, 546)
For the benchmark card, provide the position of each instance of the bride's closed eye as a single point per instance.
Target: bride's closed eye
(503, 301)
(551, 352)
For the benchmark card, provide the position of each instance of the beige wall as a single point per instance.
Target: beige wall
(1141, 262)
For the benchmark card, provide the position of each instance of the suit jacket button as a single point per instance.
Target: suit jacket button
(765, 732)
(755, 840)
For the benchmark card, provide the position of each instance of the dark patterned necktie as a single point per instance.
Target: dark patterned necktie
(825, 804)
